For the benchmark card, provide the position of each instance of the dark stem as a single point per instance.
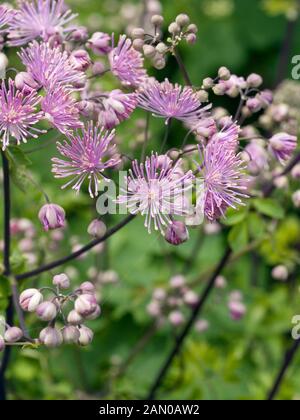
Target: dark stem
(181, 338)
(288, 359)
(7, 271)
(76, 254)
(182, 68)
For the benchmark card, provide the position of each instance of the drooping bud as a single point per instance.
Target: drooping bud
(80, 60)
(97, 228)
(62, 281)
(85, 304)
(13, 334)
(79, 34)
(177, 233)
(52, 216)
(100, 43)
(95, 314)
(70, 334)
(174, 28)
(282, 145)
(30, 300)
(87, 287)
(254, 80)
(51, 337)
(25, 82)
(191, 39)
(138, 33)
(74, 318)
(182, 20)
(47, 311)
(86, 336)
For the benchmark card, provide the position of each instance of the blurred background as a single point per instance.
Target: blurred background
(225, 359)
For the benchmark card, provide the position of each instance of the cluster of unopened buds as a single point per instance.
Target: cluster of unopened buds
(73, 309)
(154, 48)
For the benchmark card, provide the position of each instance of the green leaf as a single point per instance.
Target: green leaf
(238, 236)
(17, 157)
(256, 226)
(234, 217)
(269, 207)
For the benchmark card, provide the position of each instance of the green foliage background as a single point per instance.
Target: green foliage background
(231, 360)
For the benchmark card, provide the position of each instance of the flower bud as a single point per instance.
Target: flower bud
(138, 44)
(30, 300)
(159, 294)
(2, 343)
(98, 68)
(80, 60)
(70, 334)
(202, 325)
(149, 51)
(174, 28)
(95, 314)
(296, 199)
(224, 73)
(161, 48)
(191, 298)
(157, 20)
(208, 83)
(254, 104)
(177, 233)
(159, 63)
(13, 334)
(97, 228)
(79, 34)
(100, 43)
(52, 216)
(191, 39)
(138, 33)
(74, 318)
(182, 20)
(280, 273)
(86, 336)
(220, 282)
(192, 28)
(254, 80)
(62, 281)
(202, 95)
(51, 337)
(154, 309)
(25, 82)
(176, 318)
(237, 310)
(177, 282)
(47, 311)
(220, 89)
(85, 304)
(87, 287)
(282, 145)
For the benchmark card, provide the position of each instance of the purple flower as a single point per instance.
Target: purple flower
(18, 114)
(100, 43)
(228, 136)
(5, 17)
(171, 101)
(52, 216)
(49, 66)
(39, 19)
(177, 233)
(222, 173)
(283, 145)
(116, 107)
(155, 190)
(126, 63)
(60, 109)
(258, 157)
(87, 156)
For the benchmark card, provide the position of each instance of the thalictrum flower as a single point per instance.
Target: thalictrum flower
(18, 114)
(60, 109)
(39, 19)
(50, 66)
(5, 17)
(222, 173)
(126, 63)
(282, 146)
(86, 155)
(156, 191)
(115, 107)
(171, 101)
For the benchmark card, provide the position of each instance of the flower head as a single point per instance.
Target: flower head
(61, 110)
(100, 43)
(126, 63)
(282, 145)
(50, 66)
(228, 136)
(17, 114)
(222, 173)
(155, 190)
(6, 15)
(115, 108)
(171, 101)
(52, 216)
(86, 156)
(39, 19)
